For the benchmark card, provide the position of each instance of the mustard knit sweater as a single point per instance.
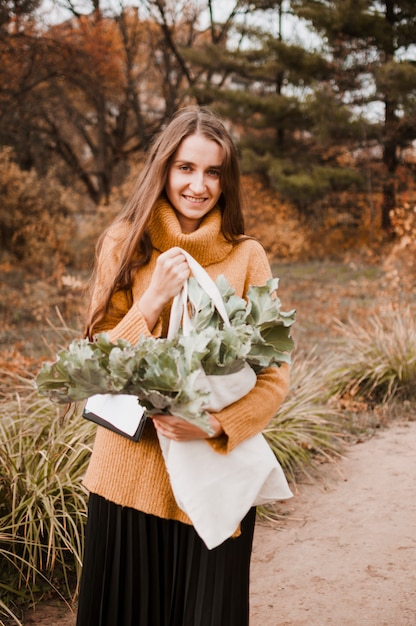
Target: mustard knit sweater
(133, 474)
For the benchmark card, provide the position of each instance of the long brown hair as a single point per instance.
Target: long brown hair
(137, 247)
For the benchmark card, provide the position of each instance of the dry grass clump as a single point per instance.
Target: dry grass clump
(306, 427)
(43, 504)
(377, 359)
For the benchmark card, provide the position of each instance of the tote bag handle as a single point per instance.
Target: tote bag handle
(179, 310)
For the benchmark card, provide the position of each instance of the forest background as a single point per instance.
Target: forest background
(320, 96)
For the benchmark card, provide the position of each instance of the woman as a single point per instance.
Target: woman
(144, 564)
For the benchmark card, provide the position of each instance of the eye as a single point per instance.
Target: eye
(184, 168)
(214, 173)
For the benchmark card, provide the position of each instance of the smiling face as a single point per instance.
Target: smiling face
(193, 182)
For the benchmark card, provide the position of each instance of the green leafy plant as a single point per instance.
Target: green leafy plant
(163, 372)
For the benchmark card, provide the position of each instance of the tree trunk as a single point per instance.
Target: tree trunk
(390, 159)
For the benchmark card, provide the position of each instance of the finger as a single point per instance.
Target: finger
(175, 254)
(161, 428)
(176, 266)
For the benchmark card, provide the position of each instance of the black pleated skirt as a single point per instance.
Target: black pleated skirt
(141, 570)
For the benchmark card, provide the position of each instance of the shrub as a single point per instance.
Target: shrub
(37, 218)
(399, 263)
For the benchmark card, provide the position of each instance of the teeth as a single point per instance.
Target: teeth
(196, 200)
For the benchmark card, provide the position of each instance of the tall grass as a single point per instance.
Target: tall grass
(43, 504)
(306, 427)
(377, 358)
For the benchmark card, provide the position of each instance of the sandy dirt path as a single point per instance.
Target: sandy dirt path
(346, 555)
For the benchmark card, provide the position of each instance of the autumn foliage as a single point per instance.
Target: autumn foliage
(37, 219)
(400, 261)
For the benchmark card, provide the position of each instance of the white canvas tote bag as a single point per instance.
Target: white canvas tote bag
(217, 490)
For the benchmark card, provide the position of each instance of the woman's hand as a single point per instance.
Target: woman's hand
(170, 273)
(179, 429)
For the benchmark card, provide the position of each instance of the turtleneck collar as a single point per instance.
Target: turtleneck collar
(207, 244)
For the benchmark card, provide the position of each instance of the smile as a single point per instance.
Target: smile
(194, 200)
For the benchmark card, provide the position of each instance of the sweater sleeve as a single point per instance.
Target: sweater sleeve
(251, 414)
(132, 326)
(124, 319)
